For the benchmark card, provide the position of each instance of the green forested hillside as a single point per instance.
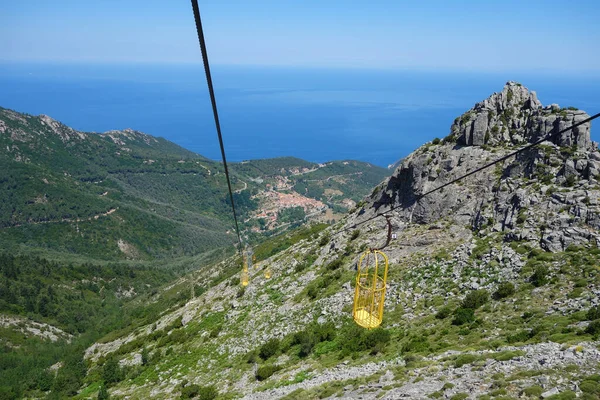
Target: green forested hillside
(127, 195)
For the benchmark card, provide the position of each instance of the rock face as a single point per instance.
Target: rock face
(516, 116)
(521, 196)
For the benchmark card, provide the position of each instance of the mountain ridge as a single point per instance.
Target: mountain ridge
(118, 178)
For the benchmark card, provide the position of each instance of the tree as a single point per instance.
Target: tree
(145, 356)
(475, 299)
(504, 290)
(269, 349)
(103, 393)
(111, 372)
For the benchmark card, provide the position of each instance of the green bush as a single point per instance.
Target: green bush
(591, 387)
(504, 290)
(570, 181)
(324, 239)
(377, 339)
(103, 393)
(215, 332)
(207, 393)
(593, 313)
(463, 316)
(355, 339)
(313, 289)
(521, 336)
(464, 359)
(416, 345)
(145, 356)
(335, 264)
(593, 328)
(265, 372)
(533, 391)
(436, 141)
(476, 299)
(190, 391)
(269, 349)
(566, 395)
(307, 342)
(252, 357)
(581, 283)
(443, 313)
(540, 276)
(312, 335)
(355, 234)
(111, 371)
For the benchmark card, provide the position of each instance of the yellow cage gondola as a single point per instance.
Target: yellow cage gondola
(268, 272)
(369, 292)
(245, 276)
(370, 286)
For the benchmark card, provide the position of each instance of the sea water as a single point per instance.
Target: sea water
(378, 116)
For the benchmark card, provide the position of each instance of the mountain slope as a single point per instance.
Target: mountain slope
(125, 194)
(482, 300)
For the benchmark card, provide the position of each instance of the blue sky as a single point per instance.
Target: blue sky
(441, 34)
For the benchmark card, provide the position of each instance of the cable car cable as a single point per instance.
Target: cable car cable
(503, 158)
(215, 112)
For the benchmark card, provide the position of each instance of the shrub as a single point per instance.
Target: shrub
(335, 264)
(570, 181)
(215, 332)
(207, 393)
(521, 336)
(103, 393)
(324, 332)
(416, 344)
(355, 234)
(593, 313)
(590, 387)
(190, 391)
(252, 357)
(540, 276)
(581, 283)
(504, 290)
(533, 391)
(566, 395)
(377, 339)
(476, 299)
(593, 328)
(436, 141)
(575, 293)
(443, 313)
(355, 339)
(463, 316)
(307, 342)
(269, 349)
(111, 371)
(308, 338)
(464, 359)
(265, 372)
(324, 240)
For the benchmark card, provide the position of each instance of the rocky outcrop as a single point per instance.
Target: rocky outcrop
(516, 116)
(522, 196)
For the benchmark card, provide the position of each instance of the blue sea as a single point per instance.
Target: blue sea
(377, 116)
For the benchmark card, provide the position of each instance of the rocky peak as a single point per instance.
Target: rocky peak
(128, 134)
(515, 116)
(549, 194)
